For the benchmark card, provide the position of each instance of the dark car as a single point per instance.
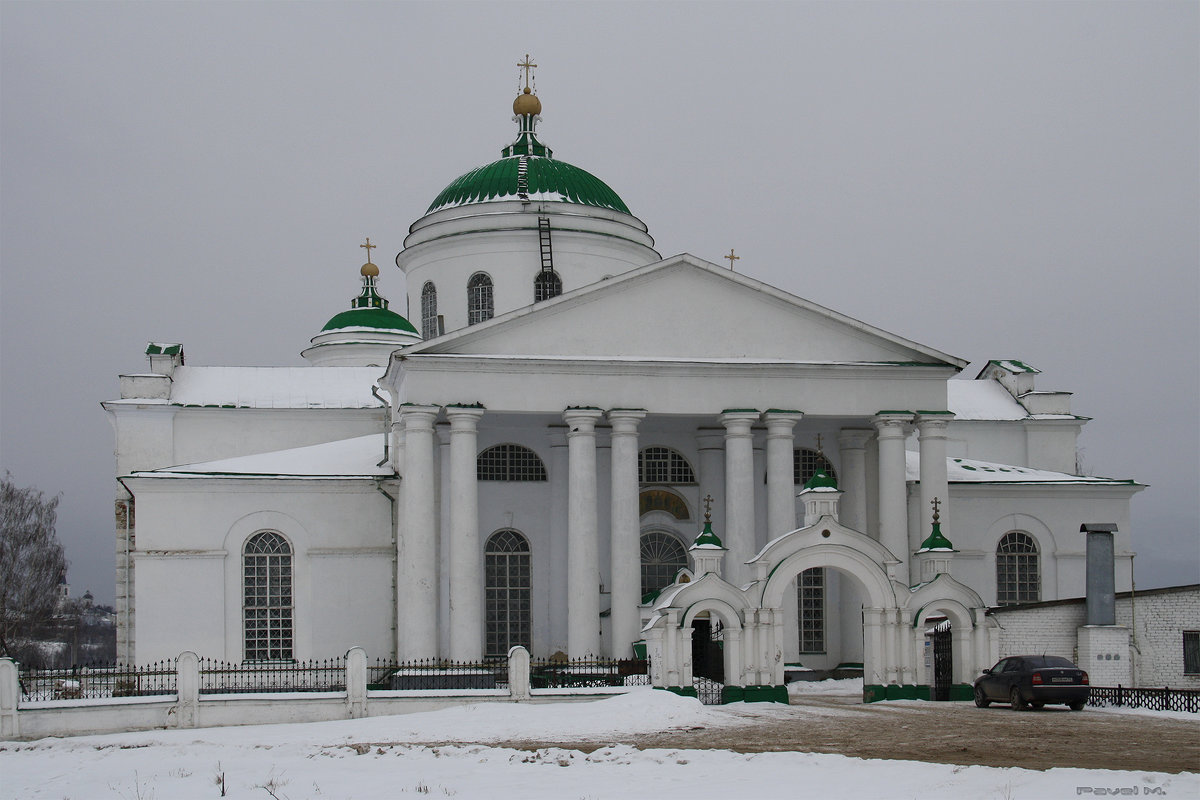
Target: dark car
(1033, 681)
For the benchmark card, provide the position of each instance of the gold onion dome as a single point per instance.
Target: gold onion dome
(527, 104)
(369, 270)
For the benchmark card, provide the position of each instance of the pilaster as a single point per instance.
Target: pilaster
(932, 427)
(853, 477)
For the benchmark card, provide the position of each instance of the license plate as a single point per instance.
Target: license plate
(1062, 680)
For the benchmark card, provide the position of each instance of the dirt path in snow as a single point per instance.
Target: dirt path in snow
(946, 733)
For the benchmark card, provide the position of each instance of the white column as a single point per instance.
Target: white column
(893, 488)
(739, 492)
(416, 544)
(559, 516)
(781, 482)
(583, 574)
(711, 444)
(853, 477)
(932, 427)
(626, 588)
(466, 567)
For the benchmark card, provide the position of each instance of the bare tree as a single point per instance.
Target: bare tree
(31, 562)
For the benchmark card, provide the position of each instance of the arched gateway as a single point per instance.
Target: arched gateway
(752, 617)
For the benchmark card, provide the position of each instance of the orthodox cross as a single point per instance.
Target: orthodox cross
(526, 65)
(708, 501)
(369, 248)
(936, 505)
(819, 450)
(732, 258)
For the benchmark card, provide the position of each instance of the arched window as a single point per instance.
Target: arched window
(479, 298)
(506, 592)
(267, 597)
(662, 557)
(429, 326)
(806, 463)
(664, 465)
(1018, 574)
(810, 599)
(547, 284)
(510, 462)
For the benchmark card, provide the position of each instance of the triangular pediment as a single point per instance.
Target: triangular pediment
(683, 308)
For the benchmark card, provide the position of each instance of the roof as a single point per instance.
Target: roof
(347, 458)
(965, 470)
(376, 318)
(271, 387)
(1011, 365)
(546, 179)
(982, 400)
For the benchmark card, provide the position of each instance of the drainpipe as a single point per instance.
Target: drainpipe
(395, 575)
(387, 428)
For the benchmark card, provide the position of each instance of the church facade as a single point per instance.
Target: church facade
(532, 460)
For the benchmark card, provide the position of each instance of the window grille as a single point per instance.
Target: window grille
(429, 326)
(1191, 652)
(1018, 574)
(664, 465)
(507, 592)
(806, 463)
(547, 284)
(479, 299)
(810, 597)
(662, 557)
(267, 597)
(510, 462)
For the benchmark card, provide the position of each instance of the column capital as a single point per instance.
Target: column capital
(624, 421)
(854, 438)
(710, 438)
(933, 423)
(781, 421)
(892, 424)
(417, 417)
(737, 421)
(582, 420)
(464, 418)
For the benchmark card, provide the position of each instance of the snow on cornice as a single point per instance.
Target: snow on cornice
(965, 470)
(346, 458)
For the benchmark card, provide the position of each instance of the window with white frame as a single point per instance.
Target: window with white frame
(507, 606)
(267, 597)
(429, 326)
(479, 298)
(663, 555)
(810, 601)
(665, 466)
(510, 462)
(1018, 571)
(547, 284)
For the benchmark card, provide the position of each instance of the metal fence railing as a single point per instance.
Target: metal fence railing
(316, 675)
(575, 673)
(1164, 699)
(433, 674)
(94, 681)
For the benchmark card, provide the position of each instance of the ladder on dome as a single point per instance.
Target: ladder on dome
(547, 250)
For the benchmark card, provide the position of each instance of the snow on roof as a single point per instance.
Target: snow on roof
(275, 387)
(355, 457)
(982, 400)
(965, 470)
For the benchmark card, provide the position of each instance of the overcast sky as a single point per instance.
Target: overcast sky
(994, 180)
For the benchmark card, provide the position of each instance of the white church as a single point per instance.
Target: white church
(531, 461)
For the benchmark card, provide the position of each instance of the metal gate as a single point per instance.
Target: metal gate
(943, 660)
(708, 661)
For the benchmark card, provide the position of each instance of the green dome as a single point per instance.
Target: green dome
(544, 178)
(821, 480)
(379, 318)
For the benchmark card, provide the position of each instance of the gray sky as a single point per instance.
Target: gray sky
(995, 180)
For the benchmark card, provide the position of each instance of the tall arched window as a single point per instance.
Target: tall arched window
(479, 298)
(1018, 573)
(267, 597)
(806, 463)
(510, 462)
(429, 326)
(664, 465)
(506, 592)
(547, 284)
(662, 557)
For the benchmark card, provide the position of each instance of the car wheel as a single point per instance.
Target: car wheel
(1077, 706)
(1015, 699)
(981, 699)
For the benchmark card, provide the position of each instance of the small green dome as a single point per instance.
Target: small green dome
(544, 179)
(821, 480)
(707, 538)
(379, 318)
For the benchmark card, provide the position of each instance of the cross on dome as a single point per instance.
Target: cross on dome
(937, 504)
(527, 65)
(708, 501)
(369, 248)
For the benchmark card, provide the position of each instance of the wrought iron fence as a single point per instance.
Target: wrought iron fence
(1164, 699)
(550, 673)
(709, 692)
(92, 681)
(316, 675)
(431, 674)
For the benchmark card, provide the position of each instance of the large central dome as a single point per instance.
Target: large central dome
(545, 179)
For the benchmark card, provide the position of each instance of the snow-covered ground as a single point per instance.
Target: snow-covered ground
(377, 758)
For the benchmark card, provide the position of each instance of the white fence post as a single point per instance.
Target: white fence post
(356, 682)
(518, 673)
(187, 690)
(10, 693)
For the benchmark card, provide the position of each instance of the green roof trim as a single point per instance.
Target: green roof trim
(740, 411)
(892, 411)
(542, 176)
(821, 480)
(784, 411)
(926, 413)
(936, 541)
(378, 318)
(1014, 365)
(707, 537)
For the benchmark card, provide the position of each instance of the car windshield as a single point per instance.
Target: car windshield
(1049, 661)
